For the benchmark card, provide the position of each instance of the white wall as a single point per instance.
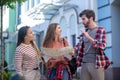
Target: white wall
(79, 5)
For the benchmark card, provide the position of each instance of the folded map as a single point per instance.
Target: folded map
(56, 52)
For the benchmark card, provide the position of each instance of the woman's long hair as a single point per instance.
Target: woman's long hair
(50, 35)
(21, 35)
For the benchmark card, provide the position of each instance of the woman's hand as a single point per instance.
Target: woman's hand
(72, 53)
(41, 54)
(51, 63)
(63, 60)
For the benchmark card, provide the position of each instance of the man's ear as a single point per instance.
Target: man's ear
(91, 18)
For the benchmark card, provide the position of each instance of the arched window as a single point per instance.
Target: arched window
(63, 26)
(72, 23)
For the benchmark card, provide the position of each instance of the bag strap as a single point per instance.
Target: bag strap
(64, 42)
(88, 48)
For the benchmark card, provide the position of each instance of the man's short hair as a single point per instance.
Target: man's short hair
(88, 13)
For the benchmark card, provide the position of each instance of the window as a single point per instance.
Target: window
(73, 40)
(27, 6)
(19, 13)
(32, 3)
(63, 26)
(39, 38)
(38, 1)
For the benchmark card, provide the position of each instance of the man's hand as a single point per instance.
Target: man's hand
(72, 52)
(87, 36)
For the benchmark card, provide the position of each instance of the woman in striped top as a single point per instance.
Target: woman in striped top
(27, 55)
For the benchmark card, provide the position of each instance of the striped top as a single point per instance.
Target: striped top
(25, 58)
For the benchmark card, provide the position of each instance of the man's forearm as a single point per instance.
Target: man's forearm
(91, 39)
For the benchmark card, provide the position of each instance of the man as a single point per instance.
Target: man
(90, 48)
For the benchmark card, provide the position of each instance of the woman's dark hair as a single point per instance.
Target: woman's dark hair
(88, 13)
(21, 34)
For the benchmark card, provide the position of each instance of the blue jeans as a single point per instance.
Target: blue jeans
(65, 74)
(53, 73)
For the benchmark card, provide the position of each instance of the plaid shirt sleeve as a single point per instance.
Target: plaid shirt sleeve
(79, 51)
(100, 43)
(100, 39)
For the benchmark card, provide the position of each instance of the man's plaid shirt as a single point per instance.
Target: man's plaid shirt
(99, 44)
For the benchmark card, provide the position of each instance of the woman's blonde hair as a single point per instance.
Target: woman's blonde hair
(36, 48)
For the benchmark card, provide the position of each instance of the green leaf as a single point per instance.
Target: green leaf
(10, 3)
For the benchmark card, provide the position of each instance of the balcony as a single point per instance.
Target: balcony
(45, 10)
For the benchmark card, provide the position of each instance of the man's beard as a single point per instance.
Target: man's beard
(87, 24)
